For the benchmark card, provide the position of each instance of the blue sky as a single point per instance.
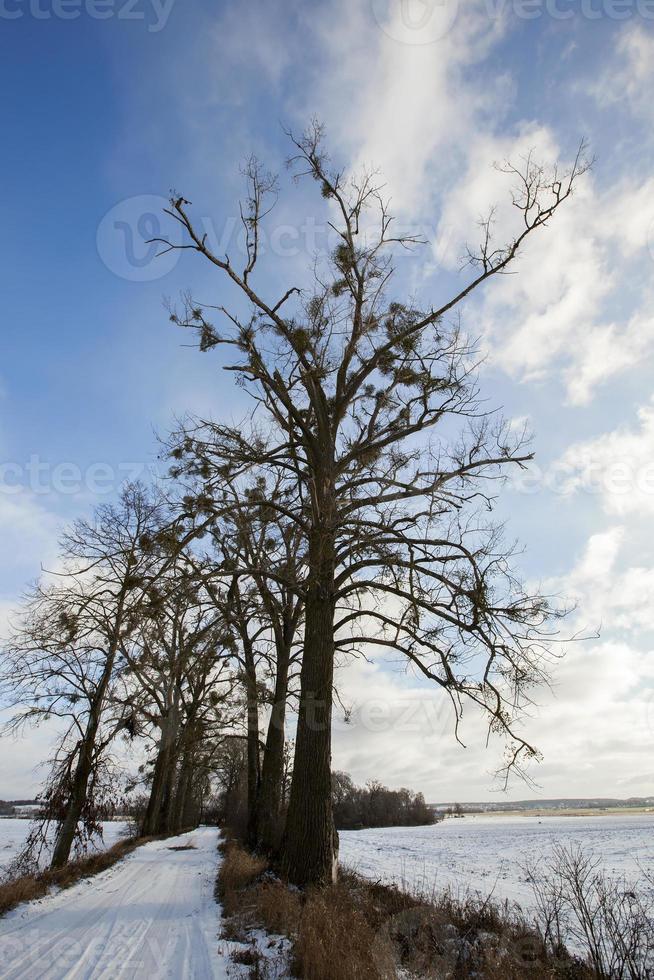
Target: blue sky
(101, 117)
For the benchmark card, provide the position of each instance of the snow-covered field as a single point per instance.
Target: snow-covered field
(484, 853)
(151, 915)
(13, 834)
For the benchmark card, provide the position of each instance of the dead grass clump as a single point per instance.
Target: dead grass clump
(23, 889)
(336, 942)
(238, 872)
(361, 930)
(278, 908)
(378, 902)
(477, 937)
(26, 888)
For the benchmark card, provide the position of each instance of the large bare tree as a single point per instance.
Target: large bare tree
(370, 404)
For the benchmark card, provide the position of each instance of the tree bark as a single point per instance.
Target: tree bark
(309, 853)
(152, 822)
(181, 791)
(168, 801)
(68, 827)
(269, 804)
(253, 754)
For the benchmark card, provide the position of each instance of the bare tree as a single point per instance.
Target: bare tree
(63, 657)
(261, 553)
(608, 918)
(175, 676)
(359, 396)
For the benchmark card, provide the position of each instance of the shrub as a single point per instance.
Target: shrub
(606, 917)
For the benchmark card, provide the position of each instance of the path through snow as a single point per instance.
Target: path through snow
(149, 917)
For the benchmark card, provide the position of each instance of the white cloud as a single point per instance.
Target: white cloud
(406, 108)
(594, 729)
(434, 131)
(617, 466)
(628, 76)
(551, 319)
(619, 598)
(29, 533)
(594, 726)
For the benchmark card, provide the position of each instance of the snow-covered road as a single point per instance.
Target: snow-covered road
(151, 916)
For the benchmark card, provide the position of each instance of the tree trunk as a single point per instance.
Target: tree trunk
(154, 813)
(192, 807)
(254, 771)
(270, 795)
(68, 827)
(309, 852)
(181, 791)
(168, 801)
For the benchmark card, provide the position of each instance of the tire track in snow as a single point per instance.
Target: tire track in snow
(151, 916)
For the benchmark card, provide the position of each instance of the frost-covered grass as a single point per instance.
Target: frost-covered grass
(486, 854)
(13, 834)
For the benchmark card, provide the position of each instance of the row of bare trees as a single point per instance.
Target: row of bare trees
(348, 514)
(146, 642)
(119, 642)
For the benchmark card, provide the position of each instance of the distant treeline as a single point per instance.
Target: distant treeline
(374, 805)
(8, 807)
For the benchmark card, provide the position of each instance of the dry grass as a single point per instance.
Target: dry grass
(335, 940)
(22, 889)
(359, 930)
(238, 873)
(26, 888)
(278, 907)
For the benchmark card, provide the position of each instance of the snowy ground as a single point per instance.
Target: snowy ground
(151, 916)
(484, 853)
(13, 834)
(154, 914)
